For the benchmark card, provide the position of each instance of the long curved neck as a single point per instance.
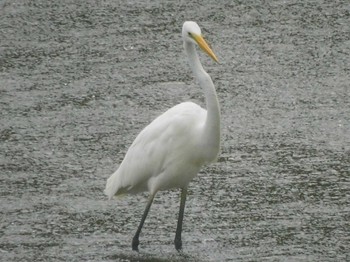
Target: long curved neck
(211, 133)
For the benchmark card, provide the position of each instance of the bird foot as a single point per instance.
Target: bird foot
(135, 244)
(178, 244)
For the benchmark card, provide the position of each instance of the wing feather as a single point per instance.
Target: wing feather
(156, 149)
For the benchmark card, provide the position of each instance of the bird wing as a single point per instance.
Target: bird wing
(157, 147)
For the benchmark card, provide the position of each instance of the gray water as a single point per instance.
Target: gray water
(80, 79)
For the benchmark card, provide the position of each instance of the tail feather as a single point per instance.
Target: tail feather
(112, 185)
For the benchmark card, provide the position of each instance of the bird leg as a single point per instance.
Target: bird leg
(177, 241)
(135, 240)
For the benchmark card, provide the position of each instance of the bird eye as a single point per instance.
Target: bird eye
(190, 34)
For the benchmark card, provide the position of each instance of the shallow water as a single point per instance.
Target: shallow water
(80, 79)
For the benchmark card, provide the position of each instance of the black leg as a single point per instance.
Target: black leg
(178, 242)
(135, 240)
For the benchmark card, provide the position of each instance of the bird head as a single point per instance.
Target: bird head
(191, 33)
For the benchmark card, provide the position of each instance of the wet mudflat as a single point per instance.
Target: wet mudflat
(80, 79)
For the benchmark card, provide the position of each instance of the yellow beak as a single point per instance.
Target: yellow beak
(204, 46)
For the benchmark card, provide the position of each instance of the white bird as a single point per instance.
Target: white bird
(169, 152)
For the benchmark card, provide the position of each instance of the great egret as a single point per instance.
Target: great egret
(169, 152)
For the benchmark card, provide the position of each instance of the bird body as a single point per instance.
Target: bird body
(165, 153)
(169, 152)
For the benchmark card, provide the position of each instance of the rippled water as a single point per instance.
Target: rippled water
(79, 80)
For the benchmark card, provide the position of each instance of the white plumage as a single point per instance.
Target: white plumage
(164, 155)
(169, 152)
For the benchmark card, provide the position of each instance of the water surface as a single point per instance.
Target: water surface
(80, 79)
